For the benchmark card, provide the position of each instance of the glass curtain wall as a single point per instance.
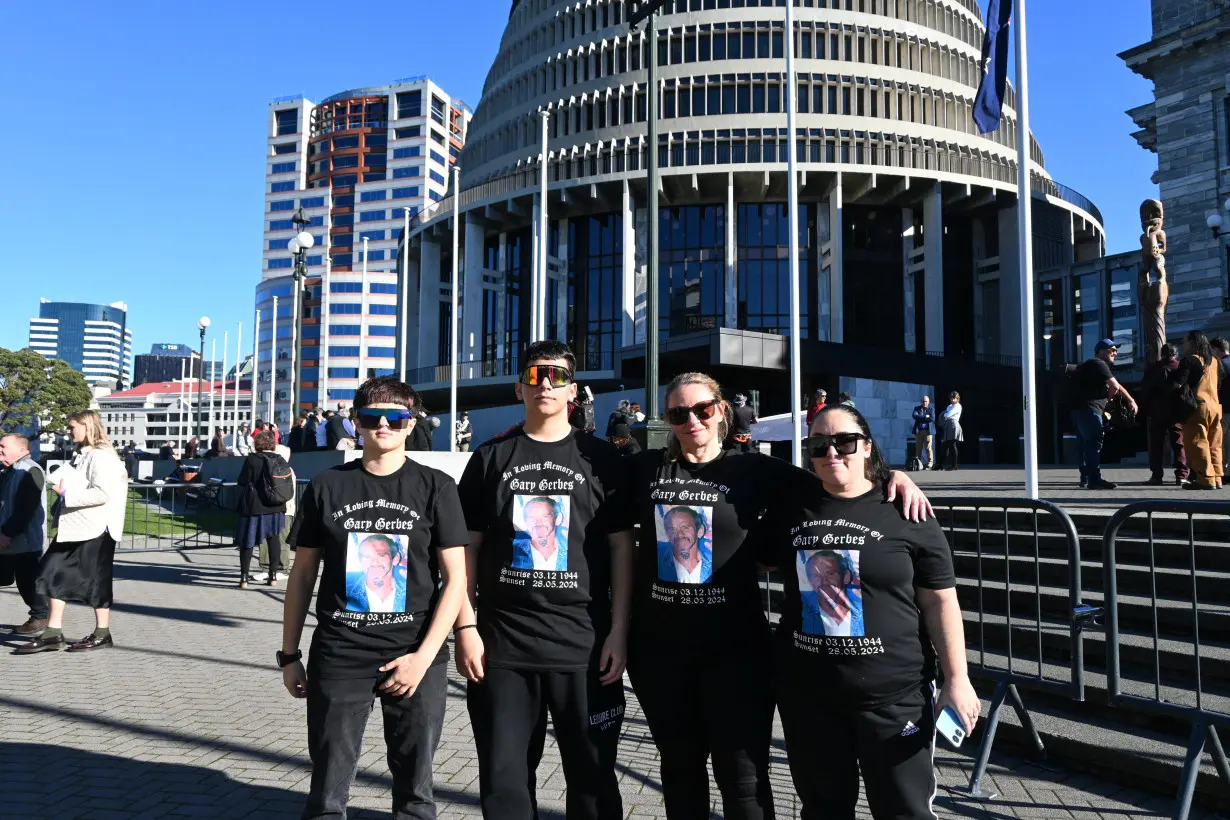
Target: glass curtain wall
(762, 231)
(691, 263)
(595, 256)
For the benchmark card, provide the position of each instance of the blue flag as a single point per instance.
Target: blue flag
(989, 104)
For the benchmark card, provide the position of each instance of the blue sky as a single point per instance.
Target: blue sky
(134, 133)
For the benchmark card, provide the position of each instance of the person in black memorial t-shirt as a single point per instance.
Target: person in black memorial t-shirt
(388, 530)
(698, 624)
(870, 602)
(550, 559)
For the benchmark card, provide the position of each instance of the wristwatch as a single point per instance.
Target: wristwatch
(285, 660)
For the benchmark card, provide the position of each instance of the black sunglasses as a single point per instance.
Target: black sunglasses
(702, 410)
(846, 444)
(552, 375)
(398, 418)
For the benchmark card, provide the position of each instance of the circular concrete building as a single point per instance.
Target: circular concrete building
(907, 215)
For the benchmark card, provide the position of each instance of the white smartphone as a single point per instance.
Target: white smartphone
(949, 726)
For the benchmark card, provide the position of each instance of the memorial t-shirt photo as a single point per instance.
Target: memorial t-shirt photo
(850, 569)
(696, 577)
(544, 569)
(380, 576)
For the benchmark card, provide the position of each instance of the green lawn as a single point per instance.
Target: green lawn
(170, 516)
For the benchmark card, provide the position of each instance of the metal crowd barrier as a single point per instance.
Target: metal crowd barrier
(1204, 710)
(173, 515)
(992, 529)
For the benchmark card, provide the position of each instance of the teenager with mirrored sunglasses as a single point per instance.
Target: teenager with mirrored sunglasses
(545, 627)
(870, 606)
(386, 536)
(699, 645)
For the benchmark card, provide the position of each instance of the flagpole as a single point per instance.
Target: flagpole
(1025, 260)
(792, 216)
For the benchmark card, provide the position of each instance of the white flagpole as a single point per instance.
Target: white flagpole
(404, 290)
(452, 376)
(238, 363)
(273, 359)
(792, 216)
(213, 357)
(183, 436)
(256, 349)
(544, 233)
(1025, 259)
(363, 322)
(226, 346)
(322, 393)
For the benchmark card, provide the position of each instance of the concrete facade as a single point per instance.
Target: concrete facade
(1187, 126)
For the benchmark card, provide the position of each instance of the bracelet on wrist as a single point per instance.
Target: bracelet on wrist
(457, 629)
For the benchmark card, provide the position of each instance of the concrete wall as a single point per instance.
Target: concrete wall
(889, 408)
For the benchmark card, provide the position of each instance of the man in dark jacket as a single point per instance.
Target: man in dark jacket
(336, 431)
(1162, 428)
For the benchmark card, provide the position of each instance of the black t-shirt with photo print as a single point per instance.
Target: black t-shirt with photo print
(850, 569)
(381, 576)
(697, 585)
(544, 568)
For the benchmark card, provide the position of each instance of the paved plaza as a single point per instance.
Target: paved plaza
(187, 717)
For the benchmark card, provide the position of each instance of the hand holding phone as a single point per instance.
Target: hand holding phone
(948, 726)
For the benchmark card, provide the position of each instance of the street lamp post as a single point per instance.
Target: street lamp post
(655, 428)
(298, 246)
(202, 324)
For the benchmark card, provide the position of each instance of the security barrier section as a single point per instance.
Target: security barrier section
(1019, 583)
(1178, 581)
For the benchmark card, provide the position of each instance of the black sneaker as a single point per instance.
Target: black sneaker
(1102, 484)
(1084, 482)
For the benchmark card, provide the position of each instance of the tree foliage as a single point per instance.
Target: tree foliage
(37, 395)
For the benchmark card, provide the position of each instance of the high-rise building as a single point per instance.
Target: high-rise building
(359, 164)
(95, 340)
(908, 252)
(163, 363)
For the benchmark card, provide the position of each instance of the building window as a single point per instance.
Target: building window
(285, 148)
(375, 256)
(692, 264)
(1086, 308)
(437, 109)
(382, 310)
(438, 157)
(408, 171)
(404, 193)
(763, 269)
(282, 167)
(1123, 313)
(372, 216)
(343, 372)
(279, 187)
(372, 236)
(409, 104)
(287, 122)
(407, 153)
(408, 133)
(345, 287)
(312, 202)
(382, 287)
(280, 224)
(343, 350)
(345, 330)
(282, 205)
(345, 307)
(436, 196)
(351, 161)
(275, 264)
(382, 352)
(373, 196)
(382, 330)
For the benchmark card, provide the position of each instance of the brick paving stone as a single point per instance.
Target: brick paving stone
(186, 717)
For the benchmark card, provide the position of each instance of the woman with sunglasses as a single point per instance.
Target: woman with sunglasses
(699, 647)
(390, 533)
(870, 605)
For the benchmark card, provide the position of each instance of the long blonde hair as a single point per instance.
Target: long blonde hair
(674, 451)
(95, 435)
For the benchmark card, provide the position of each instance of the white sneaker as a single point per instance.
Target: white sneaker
(282, 576)
(259, 577)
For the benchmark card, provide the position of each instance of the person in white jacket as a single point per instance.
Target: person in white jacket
(77, 566)
(953, 434)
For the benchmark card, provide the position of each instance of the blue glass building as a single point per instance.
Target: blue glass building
(95, 340)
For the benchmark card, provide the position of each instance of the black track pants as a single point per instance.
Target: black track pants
(508, 711)
(828, 744)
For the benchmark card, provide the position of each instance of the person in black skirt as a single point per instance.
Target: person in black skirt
(258, 520)
(93, 492)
